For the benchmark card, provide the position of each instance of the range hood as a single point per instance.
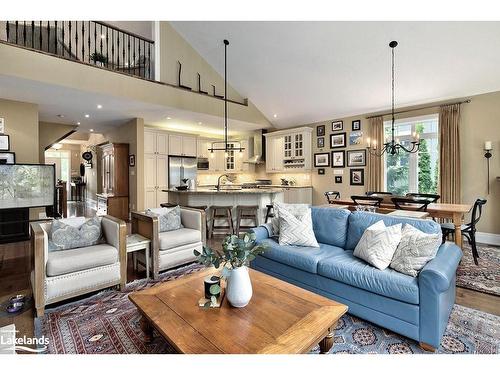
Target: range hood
(256, 148)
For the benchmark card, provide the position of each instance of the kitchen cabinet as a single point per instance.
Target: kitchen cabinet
(298, 195)
(155, 142)
(289, 150)
(274, 154)
(182, 145)
(156, 147)
(203, 145)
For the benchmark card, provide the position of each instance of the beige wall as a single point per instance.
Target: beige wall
(49, 133)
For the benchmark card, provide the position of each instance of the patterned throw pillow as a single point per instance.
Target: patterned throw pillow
(415, 250)
(378, 244)
(168, 217)
(296, 230)
(296, 210)
(63, 236)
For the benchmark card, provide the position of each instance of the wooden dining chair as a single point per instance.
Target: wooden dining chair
(331, 196)
(468, 230)
(367, 200)
(414, 204)
(431, 197)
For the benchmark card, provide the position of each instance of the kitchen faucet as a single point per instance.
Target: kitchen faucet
(218, 180)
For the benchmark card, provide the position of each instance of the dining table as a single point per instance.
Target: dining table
(450, 211)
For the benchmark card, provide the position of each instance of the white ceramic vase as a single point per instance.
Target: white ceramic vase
(239, 287)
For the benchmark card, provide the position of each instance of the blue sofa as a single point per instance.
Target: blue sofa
(416, 307)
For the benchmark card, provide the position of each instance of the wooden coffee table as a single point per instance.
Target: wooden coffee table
(280, 318)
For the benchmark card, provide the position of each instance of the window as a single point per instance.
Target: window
(418, 172)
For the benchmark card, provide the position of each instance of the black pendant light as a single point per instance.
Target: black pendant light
(224, 146)
(393, 147)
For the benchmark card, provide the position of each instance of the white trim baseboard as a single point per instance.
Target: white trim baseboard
(488, 238)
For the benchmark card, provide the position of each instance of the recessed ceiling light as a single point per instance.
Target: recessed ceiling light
(78, 123)
(99, 106)
(169, 118)
(91, 130)
(87, 115)
(275, 115)
(199, 123)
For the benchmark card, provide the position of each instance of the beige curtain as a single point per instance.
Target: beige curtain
(449, 157)
(375, 163)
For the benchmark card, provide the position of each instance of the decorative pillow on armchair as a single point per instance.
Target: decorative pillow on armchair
(169, 217)
(63, 236)
(296, 209)
(378, 244)
(296, 230)
(415, 250)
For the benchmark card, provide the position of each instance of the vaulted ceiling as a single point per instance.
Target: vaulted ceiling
(304, 72)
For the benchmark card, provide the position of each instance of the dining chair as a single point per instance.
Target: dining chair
(431, 197)
(331, 196)
(468, 230)
(379, 193)
(414, 204)
(366, 200)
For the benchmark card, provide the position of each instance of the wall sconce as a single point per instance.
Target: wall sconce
(488, 147)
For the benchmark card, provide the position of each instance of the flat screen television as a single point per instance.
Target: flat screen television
(27, 185)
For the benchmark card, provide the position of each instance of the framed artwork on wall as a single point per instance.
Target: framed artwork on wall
(2, 125)
(337, 140)
(337, 125)
(338, 179)
(4, 142)
(355, 138)
(338, 159)
(320, 142)
(357, 177)
(320, 130)
(7, 158)
(356, 125)
(356, 158)
(321, 171)
(322, 159)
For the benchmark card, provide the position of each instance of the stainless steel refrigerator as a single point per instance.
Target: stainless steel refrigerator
(180, 168)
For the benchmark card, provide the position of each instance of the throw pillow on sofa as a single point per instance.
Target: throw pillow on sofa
(296, 230)
(169, 218)
(415, 250)
(378, 244)
(63, 236)
(296, 209)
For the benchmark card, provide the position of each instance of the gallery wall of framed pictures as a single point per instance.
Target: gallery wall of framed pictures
(6, 156)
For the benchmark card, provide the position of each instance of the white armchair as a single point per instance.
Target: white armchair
(64, 274)
(173, 248)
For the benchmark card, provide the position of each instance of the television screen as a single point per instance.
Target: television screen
(26, 185)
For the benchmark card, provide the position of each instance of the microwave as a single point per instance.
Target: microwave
(203, 164)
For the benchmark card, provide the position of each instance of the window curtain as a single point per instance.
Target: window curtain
(375, 163)
(449, 156)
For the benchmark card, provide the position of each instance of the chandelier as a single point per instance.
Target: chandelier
(393, 146)
(224, 145)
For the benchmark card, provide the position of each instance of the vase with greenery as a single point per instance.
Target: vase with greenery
(237, 253)
(98, 58)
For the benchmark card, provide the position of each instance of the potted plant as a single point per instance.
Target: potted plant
(99, 59)
(237, 253)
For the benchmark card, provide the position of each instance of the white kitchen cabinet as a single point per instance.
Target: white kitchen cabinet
(203, 145)
(274, 154)
(182, 145)
(156, 150)
(298, 195)
(289, 150)
(155, 142)
(216, 161)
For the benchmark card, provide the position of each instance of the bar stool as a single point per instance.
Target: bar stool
(220, 213)
(269, 212)
(246, 213)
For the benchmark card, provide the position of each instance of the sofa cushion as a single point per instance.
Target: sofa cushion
(296, 231)
(330, 225)
(359, 221)
(303, 258)
(180, 237)
(73, 260)
(350, 270)
(169, 218)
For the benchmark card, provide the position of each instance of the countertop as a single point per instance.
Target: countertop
(225, 191)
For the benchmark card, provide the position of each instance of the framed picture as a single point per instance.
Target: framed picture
(355, 138)
(7, 158)
(2, 125)
(338, 159)
(320, 130)
(357, 176)
(356, 125)
(338, 179)
(356, 158)
(321, 171)
(337, 125)
(131, 160)
(320, 142)
(4, 142)
(337, 140)
(322, 159)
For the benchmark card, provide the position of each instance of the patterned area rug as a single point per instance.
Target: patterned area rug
(486, 276)
(109, 323)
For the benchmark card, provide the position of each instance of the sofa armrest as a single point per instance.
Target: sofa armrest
(115, 231)
(440, 271)
(149, 227)
(194, 218)
(39, 247)
(262, 232)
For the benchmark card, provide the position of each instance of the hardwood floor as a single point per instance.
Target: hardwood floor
(15, 272)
